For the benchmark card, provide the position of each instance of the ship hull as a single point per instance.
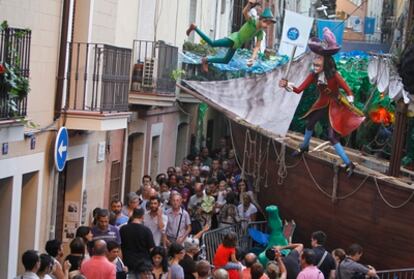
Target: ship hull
(358, 214)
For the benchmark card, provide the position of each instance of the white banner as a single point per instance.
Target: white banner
(258, 99)
(296, 31)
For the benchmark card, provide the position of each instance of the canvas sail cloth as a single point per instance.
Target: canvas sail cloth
(258, 99)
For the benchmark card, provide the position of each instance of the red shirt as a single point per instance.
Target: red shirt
(98, 267)
(246, 273)
(223, 255)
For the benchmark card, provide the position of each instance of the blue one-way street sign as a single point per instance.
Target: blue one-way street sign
(61, 148)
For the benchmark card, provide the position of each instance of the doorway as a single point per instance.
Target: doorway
(69, 199)
(28, 203)
(210, 134)
(6, 191)
(134, 163)
(155, 156)
(182, 146)
(115, 183)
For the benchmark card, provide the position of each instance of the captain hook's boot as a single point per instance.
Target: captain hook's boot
(304, 147)
(350, 167)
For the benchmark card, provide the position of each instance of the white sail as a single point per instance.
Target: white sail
(258, 99)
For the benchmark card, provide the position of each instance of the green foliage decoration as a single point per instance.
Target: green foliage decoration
(201, 49)
(12, 81)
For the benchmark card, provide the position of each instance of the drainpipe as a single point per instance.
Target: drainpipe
(124, 162)
(217, 21)
(58, 106)
(62, 58)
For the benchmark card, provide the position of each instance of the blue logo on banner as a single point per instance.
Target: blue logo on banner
(293, 33)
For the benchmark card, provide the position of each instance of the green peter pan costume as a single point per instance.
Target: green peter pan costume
(237, 39)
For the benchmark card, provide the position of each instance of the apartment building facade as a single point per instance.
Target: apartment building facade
(78, 60)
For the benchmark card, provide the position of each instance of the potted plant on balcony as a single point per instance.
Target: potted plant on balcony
(14, 85)
(12, 82)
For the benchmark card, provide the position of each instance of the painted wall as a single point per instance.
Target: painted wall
(211, 20)
(104, 21)
(82, 18)
(162, 122)
(43, 18)
(164, 20)
(169, 19)
(126, 23)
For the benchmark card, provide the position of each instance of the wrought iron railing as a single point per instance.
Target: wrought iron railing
(404, 273)
(15, 52)
(153, 64)
(97, 77)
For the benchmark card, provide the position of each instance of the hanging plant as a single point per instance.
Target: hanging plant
(14, 85)
(12, 82)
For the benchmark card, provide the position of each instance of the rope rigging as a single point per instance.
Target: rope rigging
(257, 156)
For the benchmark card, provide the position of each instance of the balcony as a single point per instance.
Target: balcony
(153, 64)
(14, 82)
(96, 87)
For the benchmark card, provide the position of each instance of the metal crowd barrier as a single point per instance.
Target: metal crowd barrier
(405, 273)
(212, 239)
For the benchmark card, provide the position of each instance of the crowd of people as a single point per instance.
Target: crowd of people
(158, 233)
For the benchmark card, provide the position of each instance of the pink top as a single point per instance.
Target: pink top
(310, 272)
(98, 267)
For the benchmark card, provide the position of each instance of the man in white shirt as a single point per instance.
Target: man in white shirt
(179, 223)
(156, 221)
(31, 263)
(114, 250)
(247, 210)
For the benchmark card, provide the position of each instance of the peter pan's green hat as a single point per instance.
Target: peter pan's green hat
(268, 15)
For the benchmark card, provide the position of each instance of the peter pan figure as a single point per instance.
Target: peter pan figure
(250, 29)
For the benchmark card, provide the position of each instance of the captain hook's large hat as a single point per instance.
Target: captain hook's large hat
(327, 46)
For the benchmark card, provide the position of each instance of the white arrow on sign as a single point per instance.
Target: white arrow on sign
(62, 148)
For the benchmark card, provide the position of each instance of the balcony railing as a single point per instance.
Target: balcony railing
(14, 51)
(97, 77)
(153, 63)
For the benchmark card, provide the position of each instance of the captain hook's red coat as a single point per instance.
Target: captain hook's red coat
(342, 119)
